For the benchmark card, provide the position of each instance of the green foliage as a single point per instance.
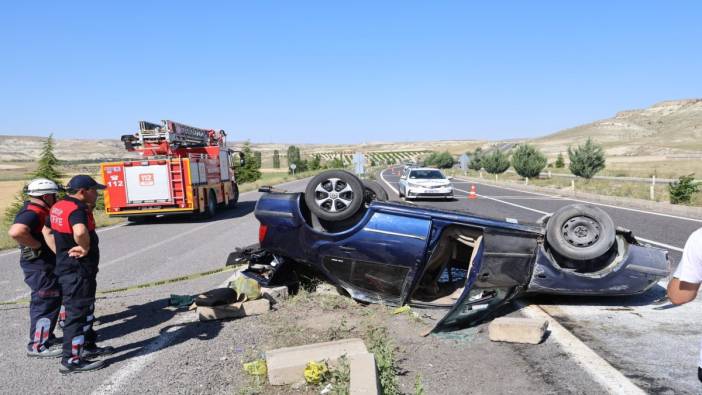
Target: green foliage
(47, 168)
(336, 163)
(276, 159)
(442, 160)
(587, 159)
(257, 156)
(380, 344)
(560, 163)
(495, 162)
(48, 162)
(249, 171)
(682, 191)
(476, 159)
(339, 376)
(294, 157)
(418, 386)
(316, 162)
(528, 161)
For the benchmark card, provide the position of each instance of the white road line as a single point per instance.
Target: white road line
(546, 213)
(388, 184)
(597, 367)
(116, 382)
(593, 203)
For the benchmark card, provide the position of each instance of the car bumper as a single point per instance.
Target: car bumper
(429, 192)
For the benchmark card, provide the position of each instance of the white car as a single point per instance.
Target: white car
(424, 182)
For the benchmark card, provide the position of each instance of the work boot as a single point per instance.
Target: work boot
(94, 351)
(52, 351)
(82, 365)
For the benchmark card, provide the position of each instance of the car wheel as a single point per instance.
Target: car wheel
(580, 232)
(235, 197)
(374, 191)
(334, 195)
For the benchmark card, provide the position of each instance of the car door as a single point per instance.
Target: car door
(377, 262)
(403, 181)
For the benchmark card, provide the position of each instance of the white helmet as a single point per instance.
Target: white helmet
(41, 186)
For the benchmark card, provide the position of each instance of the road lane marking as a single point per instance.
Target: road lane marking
(546, 213)
(386, 181)
(593, 203)
(116, 382)
(597, 367)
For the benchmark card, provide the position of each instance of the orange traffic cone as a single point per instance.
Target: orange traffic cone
(472, 194)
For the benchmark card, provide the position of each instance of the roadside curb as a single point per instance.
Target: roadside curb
(661, 207)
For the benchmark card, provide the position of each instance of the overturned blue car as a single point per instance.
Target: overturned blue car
(378, 251)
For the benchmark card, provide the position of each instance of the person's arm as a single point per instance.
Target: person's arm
(23, 236)
(680, 292)
(686, 281)
(49, 238)
(82, 238)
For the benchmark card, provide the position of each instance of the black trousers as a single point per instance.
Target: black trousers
(78, 288)
(44, 305)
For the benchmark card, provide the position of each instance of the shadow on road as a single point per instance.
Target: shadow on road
(152, 314)
(241, 209)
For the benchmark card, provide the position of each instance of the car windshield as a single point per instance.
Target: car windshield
(427, 174)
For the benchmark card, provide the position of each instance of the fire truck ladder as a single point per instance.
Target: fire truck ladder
(178, 181)
(172, 132)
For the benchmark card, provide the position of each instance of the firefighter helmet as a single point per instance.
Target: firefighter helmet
(42, 186)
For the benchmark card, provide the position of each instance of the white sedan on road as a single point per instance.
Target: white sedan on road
(424, 182)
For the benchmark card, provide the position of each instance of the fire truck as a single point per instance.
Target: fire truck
(181, 170)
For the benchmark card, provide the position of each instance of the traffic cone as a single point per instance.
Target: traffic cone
(472, 194)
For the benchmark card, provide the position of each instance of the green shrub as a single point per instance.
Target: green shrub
(249, 171)
(682, 191)
(476, 159)
(528, 161)
(587, 159)
(442, 160)
(495, 162)
(560, 163)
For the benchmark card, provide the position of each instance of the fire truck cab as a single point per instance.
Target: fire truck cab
(182, 170)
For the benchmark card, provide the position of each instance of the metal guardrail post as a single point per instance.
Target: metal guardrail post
(653, 188)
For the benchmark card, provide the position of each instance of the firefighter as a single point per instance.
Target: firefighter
(37, 261)
(77, 257)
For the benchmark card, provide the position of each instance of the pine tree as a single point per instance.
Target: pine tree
(496, 162)
(48, 162)
(476, 159)
(276, 159)
(249, 171)
(528, 161)
(587, 159)
(560, 163)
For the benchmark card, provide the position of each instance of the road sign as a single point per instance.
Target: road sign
(358, 163)
(464, 160)
(293, 167)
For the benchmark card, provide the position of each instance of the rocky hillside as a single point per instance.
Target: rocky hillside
(671, 128)
(667, 130)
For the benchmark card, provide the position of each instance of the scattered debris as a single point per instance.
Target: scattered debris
(181, 301)
(216, 297)
(403, 309)
(234, 310)
(315, 371)
(276, 294)
(517, 330)
(256, 368)
(287, 365)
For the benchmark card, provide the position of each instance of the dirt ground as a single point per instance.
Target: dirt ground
(460, 362)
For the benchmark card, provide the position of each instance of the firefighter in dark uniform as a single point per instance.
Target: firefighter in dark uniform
(77, 257)
(38, 261)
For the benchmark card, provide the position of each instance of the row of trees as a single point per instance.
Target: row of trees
(585, 160)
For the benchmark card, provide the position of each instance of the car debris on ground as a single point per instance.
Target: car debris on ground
(517, 330)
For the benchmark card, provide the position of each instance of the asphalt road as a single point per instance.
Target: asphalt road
(160, 350)
(655, 346)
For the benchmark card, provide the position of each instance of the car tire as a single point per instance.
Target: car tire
(374, 191)
(580, 232)
(211, 205)
(235, 197)
(334, 195)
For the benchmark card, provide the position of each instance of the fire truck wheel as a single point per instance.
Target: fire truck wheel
(211, 204)
(235, 198)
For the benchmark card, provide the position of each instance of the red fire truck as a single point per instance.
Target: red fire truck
(182, 170)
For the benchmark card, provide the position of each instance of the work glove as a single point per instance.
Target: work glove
(30, 254)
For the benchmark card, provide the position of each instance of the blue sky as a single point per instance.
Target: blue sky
(341, 72)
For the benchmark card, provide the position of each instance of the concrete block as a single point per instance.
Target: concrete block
(287, 365)
(276, 294)
(517, 330)
(234, 310)
(364, 376)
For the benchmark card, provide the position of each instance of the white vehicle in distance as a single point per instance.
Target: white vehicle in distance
(424, 182)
